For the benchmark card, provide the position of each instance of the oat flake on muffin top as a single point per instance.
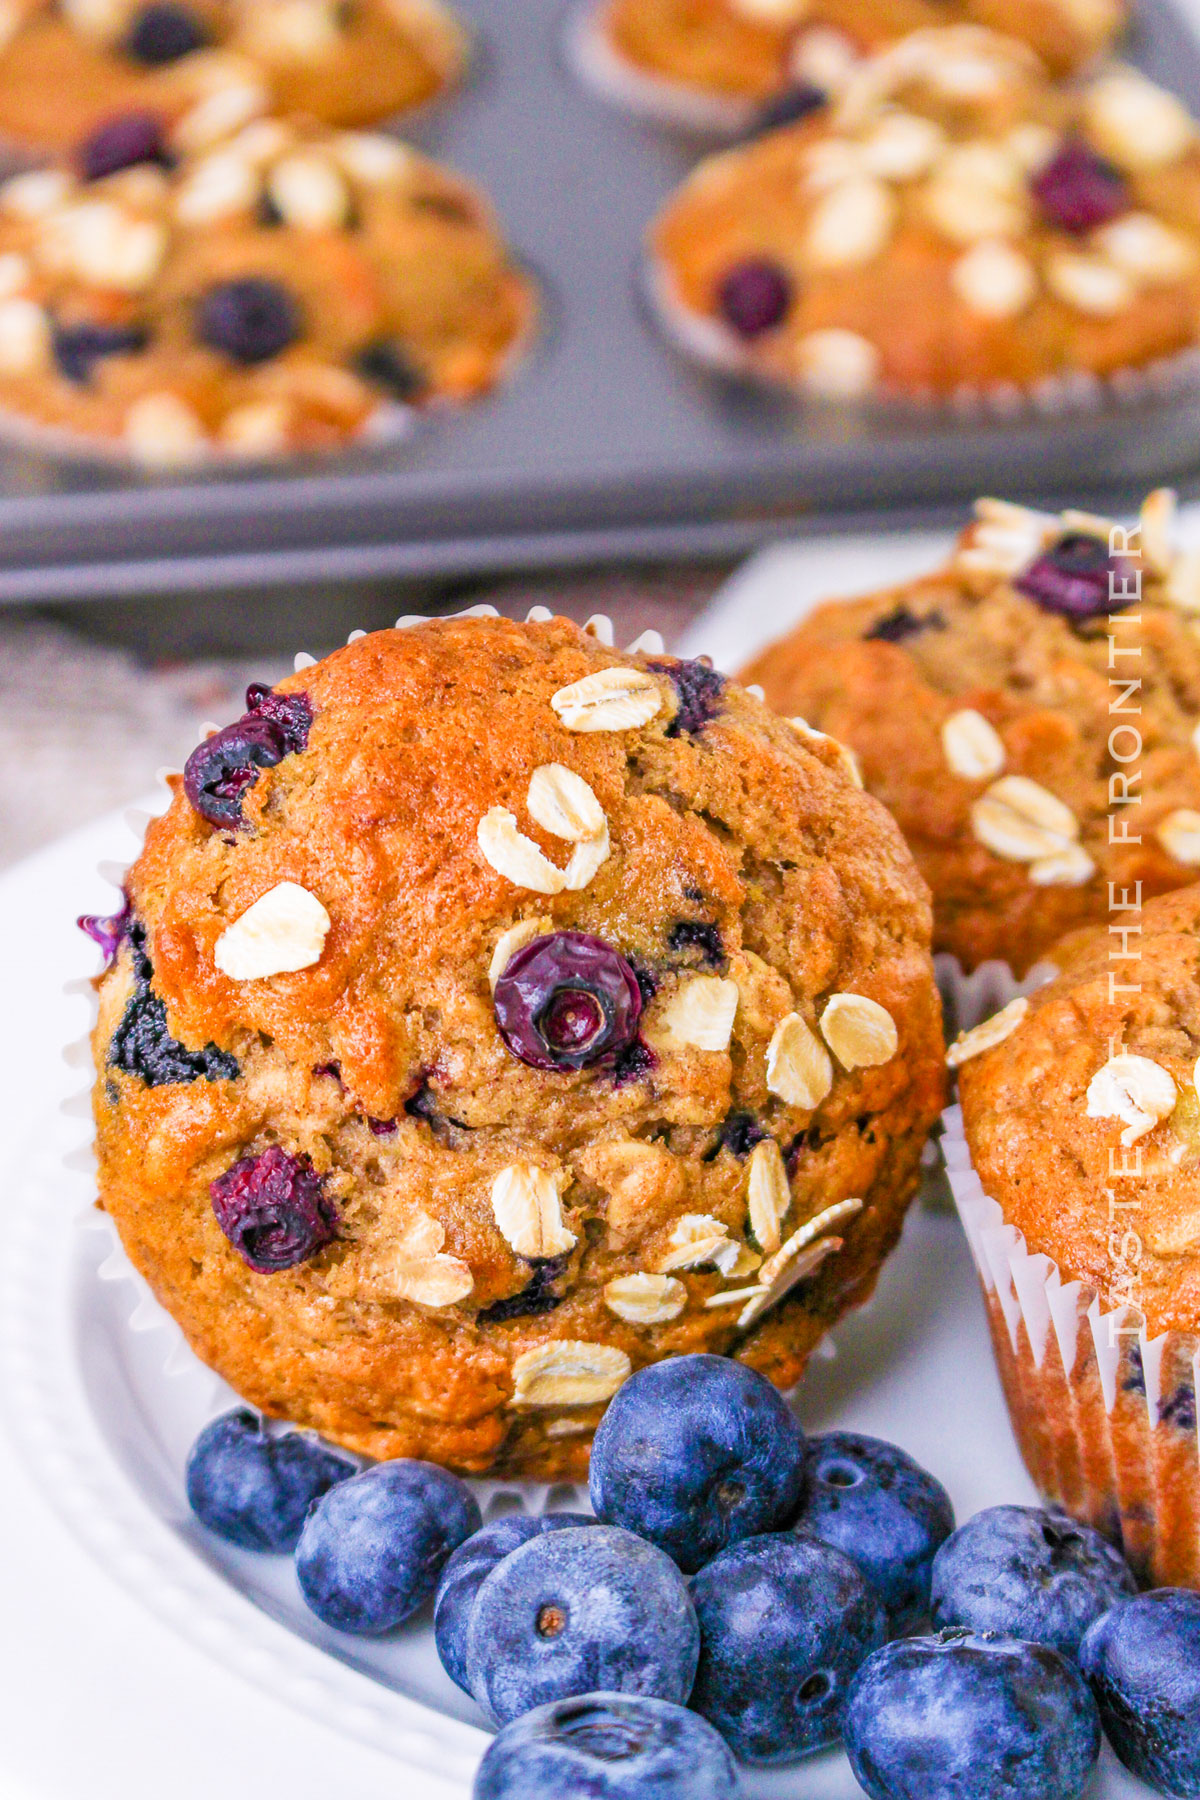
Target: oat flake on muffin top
(495, 1013)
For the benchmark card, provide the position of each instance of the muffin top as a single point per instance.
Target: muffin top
(1029, 715)
(67, 66)
(285, 288)
(751, 50)
(1084, 1121)
(579, 996)
(953, 226)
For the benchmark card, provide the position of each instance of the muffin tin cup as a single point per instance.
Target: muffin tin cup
(704, 340)
(1105, 1416)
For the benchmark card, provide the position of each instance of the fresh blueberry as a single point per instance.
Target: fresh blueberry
(78, 348)
(898, 624)
(702, 936)
(250, 320)
(874, 1503)
(253, 1489)
(467, 1571)
(143, 1046)
(700, 692)
(1077, 190)
(573, 1612)
(788, 108)
(1142, 1661)
(372, 1548)
(1025, 1573)
(784, 1623)
(1076, 577)
(540, 1295)
(567, 1001)
(108, 931)
(121, 143)
(274, 1210)
(163, 32)
(387, 366)
(966, 1717)
(754, 296)
(218, 772)
(696, 1453)
(608, 1747)
(290, 714)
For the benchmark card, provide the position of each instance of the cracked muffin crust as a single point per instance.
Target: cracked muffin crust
(739, 55)
(982, 705)
(581, 1014)
(954, 227)
(286, 289)
(1081, 1114)
(67, 66)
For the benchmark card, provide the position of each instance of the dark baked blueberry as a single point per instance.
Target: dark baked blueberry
(165, 31)
(291, 714)
(109, 932)
(700, 692)
(632, 1063)
(1075, 577)
(120, 143)
(539, 1295)
(788, 108)
(1077, 190)
(387, 366)
(274, 1210)
(740, 1132)
(218, 772)
(250, 320)
(78, 348)
(754, 296)
(382, 1128)
(701, 935)
(899, 624)
(567, 1001)
(142, 1046)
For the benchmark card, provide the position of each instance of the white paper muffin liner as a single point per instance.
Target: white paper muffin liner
(706, 341)
(594, 58)
(969, 999)
(1105, 1415)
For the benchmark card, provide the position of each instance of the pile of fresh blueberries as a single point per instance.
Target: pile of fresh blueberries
(743, 1592)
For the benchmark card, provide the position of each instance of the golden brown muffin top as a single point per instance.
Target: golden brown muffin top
(1004, 735)
(1084, 1121)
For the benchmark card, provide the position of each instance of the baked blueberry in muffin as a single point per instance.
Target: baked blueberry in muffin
(571, 1012)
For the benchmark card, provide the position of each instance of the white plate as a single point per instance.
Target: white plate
(102, 1400)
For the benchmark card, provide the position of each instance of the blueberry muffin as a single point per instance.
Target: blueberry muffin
(721, 61)
(1079, 1182)
(289, 289)
(954, 228)
(493, 1014)
(1028, 771)
(67, 66)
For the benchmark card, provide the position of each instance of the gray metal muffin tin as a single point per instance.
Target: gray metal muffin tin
(605, 442)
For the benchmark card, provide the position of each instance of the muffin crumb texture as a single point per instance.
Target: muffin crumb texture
(495, 1014)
